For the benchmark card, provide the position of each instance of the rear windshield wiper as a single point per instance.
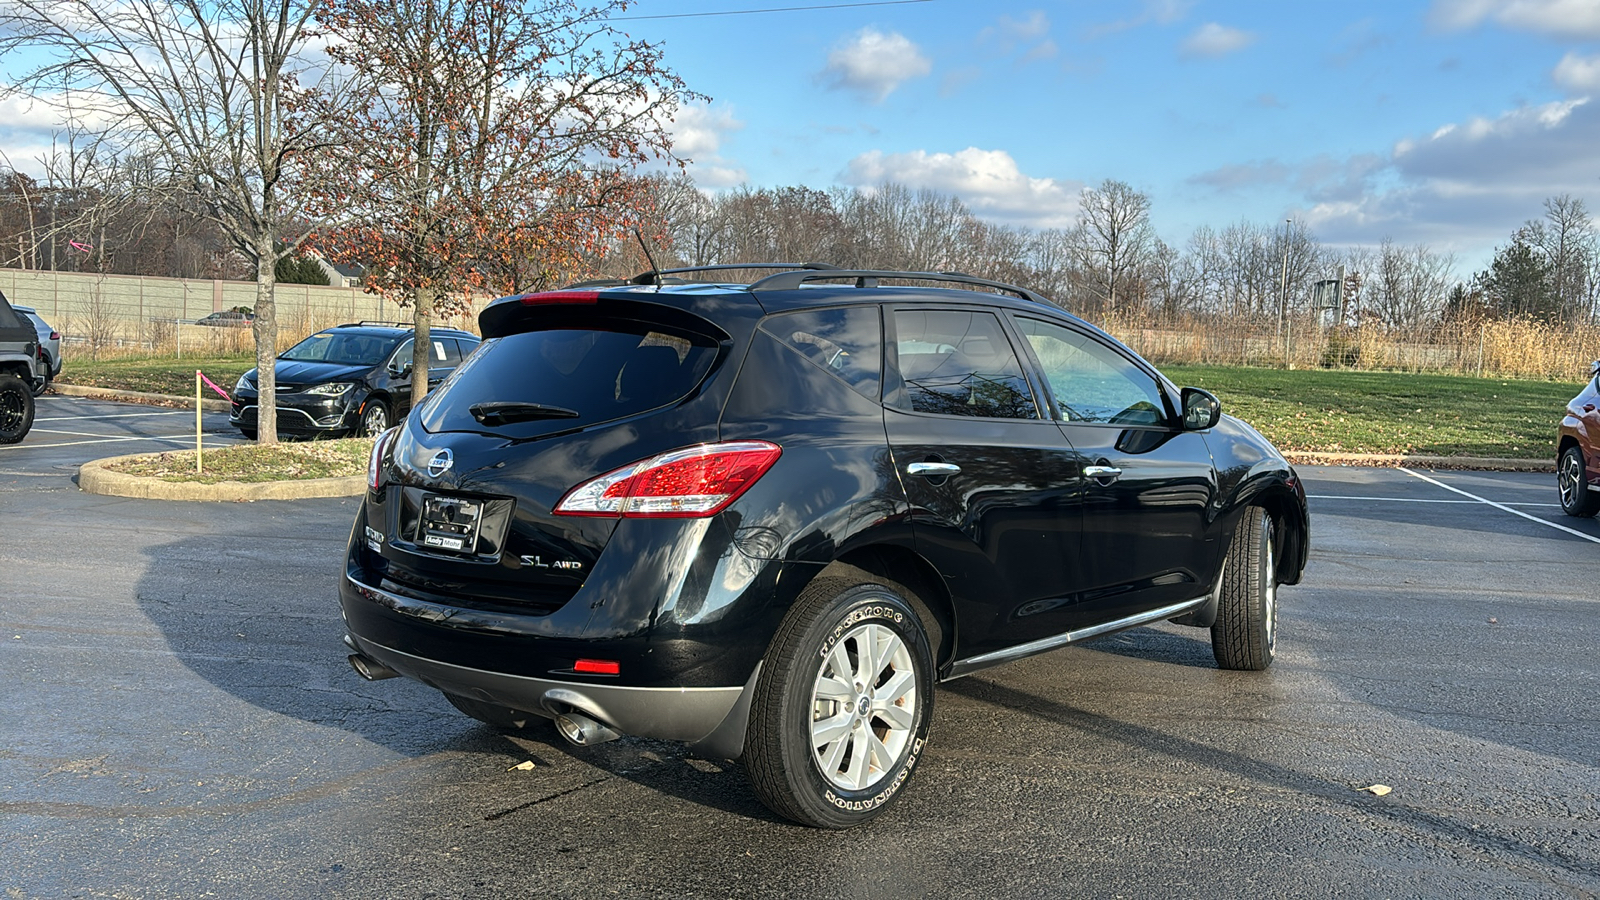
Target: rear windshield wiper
(506, 412)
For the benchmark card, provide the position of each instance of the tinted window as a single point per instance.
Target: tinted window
(341, 347)
(960, 364)
(609, 370)
(847, 341)
(1091, 381)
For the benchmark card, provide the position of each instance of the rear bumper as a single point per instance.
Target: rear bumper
(670, 714)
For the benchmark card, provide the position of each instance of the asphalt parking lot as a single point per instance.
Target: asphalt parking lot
(180, 722)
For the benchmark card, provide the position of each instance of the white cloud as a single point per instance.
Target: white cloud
(698, 129)
(1156, 12)
(1562, 18)
(1212, 40)
(874, 64)
(1580, 73)
(988, 181)
(1467, 184)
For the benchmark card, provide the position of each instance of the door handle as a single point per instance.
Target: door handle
(1108, 473)
(933, 469)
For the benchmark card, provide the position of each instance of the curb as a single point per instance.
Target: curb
(75, 390)
(94, 478)
(1397, 460)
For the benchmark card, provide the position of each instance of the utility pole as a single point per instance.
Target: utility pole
(1283, 296)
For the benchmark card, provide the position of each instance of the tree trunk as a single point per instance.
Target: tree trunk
(421, 351)
(266, 334)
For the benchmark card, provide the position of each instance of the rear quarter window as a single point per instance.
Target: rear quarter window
(847, 342)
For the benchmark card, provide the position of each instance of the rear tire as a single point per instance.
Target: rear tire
(489, 714)
(842, 708)
(16, 409)
(249, 433)
(1578, 498)
(1245, 633)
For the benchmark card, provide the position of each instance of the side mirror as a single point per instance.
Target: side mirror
(399, 369)
(1594, 368)
(1201, 409)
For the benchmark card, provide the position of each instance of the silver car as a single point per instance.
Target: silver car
(49, 346)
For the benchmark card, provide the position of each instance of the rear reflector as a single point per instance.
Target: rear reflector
(597, 667)
(688, 483)
(555, 298)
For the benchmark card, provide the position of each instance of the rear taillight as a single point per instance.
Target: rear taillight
(55, 336)
(687, 483)
(375, 462)
(547, 298)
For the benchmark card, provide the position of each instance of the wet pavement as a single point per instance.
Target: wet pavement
(179, 721)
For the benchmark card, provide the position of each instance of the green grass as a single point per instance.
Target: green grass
(158, 375)
(253, 463)
(1389, 412)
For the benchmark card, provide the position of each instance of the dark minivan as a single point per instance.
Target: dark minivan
(767, 519)
(349, 379)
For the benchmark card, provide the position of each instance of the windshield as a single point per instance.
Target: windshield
(340, 347)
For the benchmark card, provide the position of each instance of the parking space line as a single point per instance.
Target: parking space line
(180, 412)
(1416, 500)
(170, 439)
(1501, 506)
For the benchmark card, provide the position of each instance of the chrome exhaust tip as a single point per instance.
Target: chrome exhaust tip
(582, 730)
(371, 669)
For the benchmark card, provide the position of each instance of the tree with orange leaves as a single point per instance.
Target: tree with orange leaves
(494, 147)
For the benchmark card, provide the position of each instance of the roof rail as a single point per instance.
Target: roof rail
(595, 283)
(364, 322)
(866, 278)
(656, 277)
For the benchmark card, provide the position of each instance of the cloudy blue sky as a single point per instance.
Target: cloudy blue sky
(1445, 122)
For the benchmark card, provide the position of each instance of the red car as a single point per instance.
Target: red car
(1578, 449)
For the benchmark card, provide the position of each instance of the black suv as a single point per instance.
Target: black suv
(20, 372)
(767, 519)
(349, 379)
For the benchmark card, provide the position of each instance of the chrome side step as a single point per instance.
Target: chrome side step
(1033, 648)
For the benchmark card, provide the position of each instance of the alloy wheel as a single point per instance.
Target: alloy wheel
(864, 707)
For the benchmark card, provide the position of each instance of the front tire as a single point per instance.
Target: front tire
(1577, 497)
(16, 409)
(842, 708)
(374, 418)
(1246, 630)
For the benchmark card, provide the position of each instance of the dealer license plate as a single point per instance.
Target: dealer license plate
(449, 523)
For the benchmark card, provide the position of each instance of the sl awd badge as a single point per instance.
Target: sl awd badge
(534, 562)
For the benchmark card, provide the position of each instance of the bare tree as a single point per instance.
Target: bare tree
(492, 144)
(1115, 237)
(206, 89)
(1566, 240)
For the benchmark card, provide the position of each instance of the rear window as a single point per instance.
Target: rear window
(578, 375)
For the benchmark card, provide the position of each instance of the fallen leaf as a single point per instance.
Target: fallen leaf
(527, 764)
(1378, 790)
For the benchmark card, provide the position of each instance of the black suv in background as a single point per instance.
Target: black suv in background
(767, 519)
(349, 379)
(20, 371)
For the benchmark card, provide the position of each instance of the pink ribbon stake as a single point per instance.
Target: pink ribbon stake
(214, 386)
